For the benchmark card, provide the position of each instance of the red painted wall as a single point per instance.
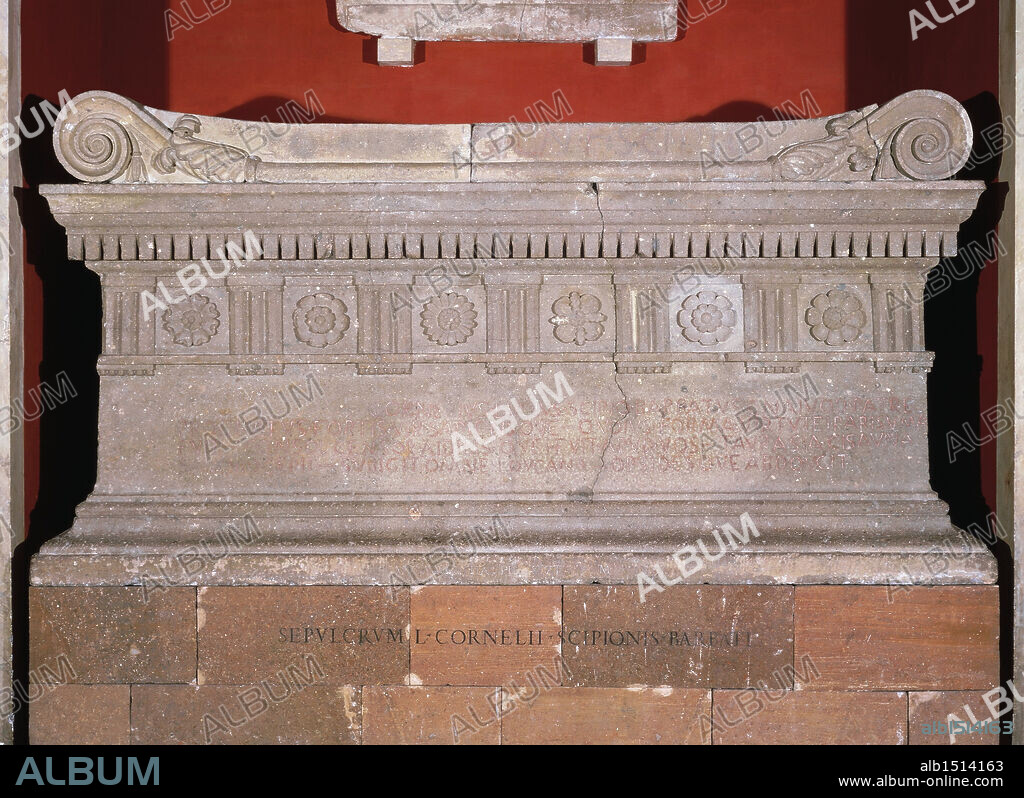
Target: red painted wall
(731, 65)
(723, 60)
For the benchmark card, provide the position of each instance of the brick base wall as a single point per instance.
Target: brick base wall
(707, 664)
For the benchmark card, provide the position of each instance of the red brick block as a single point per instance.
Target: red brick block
(806, 717)
(607, 716)
(484, 636)
(80, 714)
(876, 638)
(113, 634)
(431, 715)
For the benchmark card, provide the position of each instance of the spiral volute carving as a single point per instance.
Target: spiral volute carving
(95, 148)
(929, 136)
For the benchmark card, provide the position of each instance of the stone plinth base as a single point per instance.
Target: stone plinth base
(325, 565)
(841, 539)
(697, 664)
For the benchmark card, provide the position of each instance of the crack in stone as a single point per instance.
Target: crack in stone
(611, 435)
(522, 16)
(596, 188)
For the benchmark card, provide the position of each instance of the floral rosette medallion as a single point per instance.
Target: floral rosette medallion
(192, 322)
(320, 320)
(707, 318)
(578, 318)
(448, 319)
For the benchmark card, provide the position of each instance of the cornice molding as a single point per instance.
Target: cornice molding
(498, 221)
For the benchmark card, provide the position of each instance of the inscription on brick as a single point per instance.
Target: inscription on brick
(685, 636)
(357, 635)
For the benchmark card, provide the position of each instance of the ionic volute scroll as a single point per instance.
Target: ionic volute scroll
(101, 137)
(921, 135)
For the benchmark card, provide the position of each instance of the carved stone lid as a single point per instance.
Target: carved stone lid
(868, 183)
(920, 136)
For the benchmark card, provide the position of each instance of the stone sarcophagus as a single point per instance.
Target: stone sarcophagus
(486, 354)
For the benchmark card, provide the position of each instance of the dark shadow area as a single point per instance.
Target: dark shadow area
(692, 10)
(369, 51)
(884, 60)
(747, 111)
(879, 51)
(72, 339)
(332, 16)
(280, 111)
(114, 46)
(951, 311)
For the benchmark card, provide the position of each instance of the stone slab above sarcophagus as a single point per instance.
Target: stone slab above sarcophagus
(612, 26)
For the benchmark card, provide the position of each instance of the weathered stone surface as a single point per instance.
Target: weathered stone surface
(81, 714)
(597, 716)
(396, 51)
(484, 635)
(919, 638)
(6, 635)
(95, 635)
(750, 717)
(613, 52)
(518, 20)
(920, 136)
(1010, 370)
(933, 713)
(140, 144)
(357, 635)
(274, 712)
(12, 510)
(431, 715)
(616, 435)
(598, 344)
(686, 636)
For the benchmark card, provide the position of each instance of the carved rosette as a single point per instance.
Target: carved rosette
(192, 322)
(585, 253)
(578, 318)
(320, 320)
(836, 318)
(448, 319)
(707, 318)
